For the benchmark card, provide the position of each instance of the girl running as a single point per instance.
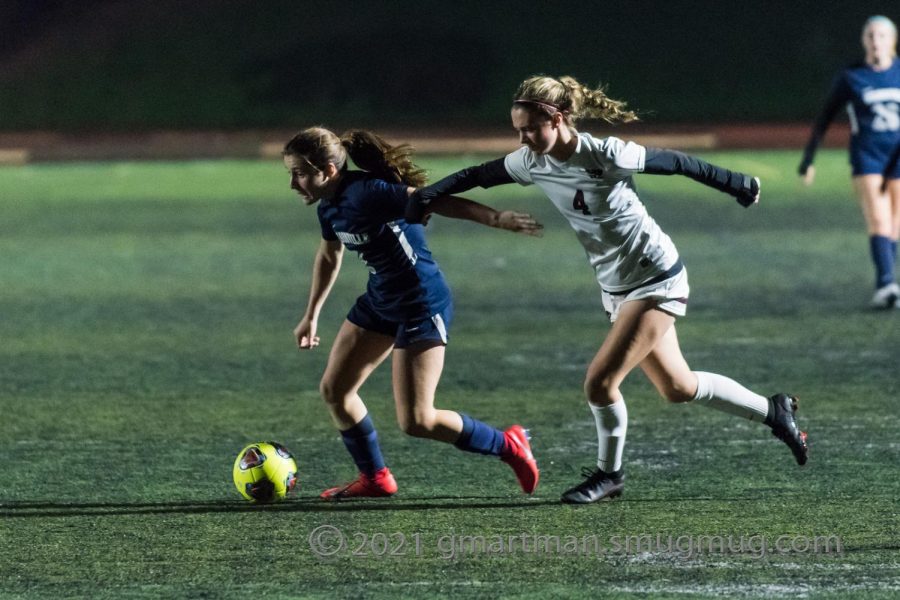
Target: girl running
(406, 310)
(643, 282)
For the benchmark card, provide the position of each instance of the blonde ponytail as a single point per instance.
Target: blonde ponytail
(573, 99)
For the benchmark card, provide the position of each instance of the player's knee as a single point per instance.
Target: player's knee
(330, 391)
(601, 390)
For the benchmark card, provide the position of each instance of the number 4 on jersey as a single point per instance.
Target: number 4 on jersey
(578, 203)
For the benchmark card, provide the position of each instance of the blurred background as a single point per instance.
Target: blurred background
(131, 65)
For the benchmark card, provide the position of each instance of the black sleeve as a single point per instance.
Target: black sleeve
(485, 175)
(837, 98)
(671, 162)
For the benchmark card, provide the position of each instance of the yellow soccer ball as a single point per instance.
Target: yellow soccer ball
(265, 472)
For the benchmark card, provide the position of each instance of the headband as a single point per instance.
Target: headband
(551, 107)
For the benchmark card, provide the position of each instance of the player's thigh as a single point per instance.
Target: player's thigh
(356, 352)
(638, 328)
(667, 369)
(416, 371)
(875, 205)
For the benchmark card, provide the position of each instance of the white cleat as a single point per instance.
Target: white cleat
(887, 296)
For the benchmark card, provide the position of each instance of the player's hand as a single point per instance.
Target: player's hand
(809, 176)
(305, 334)
(749, 195)
(519, 223)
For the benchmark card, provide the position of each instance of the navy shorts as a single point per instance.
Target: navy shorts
(870, 157)
(405, 333)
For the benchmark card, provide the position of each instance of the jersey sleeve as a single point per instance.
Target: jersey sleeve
(389, 198)
(327, 230)
(838, 96)
(626, 157)
(485, 175)
(516, 164)
(660, 161)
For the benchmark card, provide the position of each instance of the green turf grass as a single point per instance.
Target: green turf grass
(145, 337)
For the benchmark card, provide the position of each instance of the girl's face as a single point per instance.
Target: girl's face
(309, 182)
(880, 42)
(537, 131)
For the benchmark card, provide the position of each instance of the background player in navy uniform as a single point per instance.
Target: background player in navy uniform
(643, 281)
(406, 310)
(870, 92)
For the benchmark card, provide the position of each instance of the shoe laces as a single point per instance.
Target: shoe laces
(593, 473)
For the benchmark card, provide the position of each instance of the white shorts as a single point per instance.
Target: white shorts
(671, 296)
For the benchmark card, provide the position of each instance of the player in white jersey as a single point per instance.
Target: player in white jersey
(643, 282)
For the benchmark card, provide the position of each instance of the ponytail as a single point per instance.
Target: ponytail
(369, 152)
(573, 99)
(391, 163)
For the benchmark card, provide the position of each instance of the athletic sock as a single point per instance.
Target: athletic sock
(361, 441)
(480, 437)
(612, 423)
(727, 395)
(883, 250)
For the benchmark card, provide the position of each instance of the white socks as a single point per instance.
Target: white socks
(612, 421)
(729, 396)
(713, 390)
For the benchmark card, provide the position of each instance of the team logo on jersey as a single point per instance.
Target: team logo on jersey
(355, 239)
(595, 173)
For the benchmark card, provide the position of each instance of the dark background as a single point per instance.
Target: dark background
(125, 65)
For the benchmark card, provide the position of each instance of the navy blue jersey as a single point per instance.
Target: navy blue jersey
(366, 215)
(872, 101)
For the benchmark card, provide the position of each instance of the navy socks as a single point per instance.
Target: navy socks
(480, 437)
(361, 441)
(883, 250)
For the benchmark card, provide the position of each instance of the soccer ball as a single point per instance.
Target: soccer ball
(264, 472)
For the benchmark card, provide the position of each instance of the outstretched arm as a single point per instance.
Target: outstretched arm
(326, 267)
(837, 98)
(462, 208)
(671, 162)
(485, 175)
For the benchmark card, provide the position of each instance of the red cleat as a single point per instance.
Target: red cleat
(517, 454)
(380, 485)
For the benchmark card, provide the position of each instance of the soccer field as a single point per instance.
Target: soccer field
(146, 312)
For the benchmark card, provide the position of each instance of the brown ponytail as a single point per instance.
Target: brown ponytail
(391, 163)
(369, 152)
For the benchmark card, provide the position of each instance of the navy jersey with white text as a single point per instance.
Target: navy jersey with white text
(366, 215)
(872, 101)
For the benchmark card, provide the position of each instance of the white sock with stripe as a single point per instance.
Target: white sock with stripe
(612, 423)
(727, 395)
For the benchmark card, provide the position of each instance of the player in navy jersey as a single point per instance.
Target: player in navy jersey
(406, 310)
(643, 281)
(870, 92)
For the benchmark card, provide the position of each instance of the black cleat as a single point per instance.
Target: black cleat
(596, 486)
(781, 418)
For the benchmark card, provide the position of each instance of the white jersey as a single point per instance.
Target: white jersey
(594, 190)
